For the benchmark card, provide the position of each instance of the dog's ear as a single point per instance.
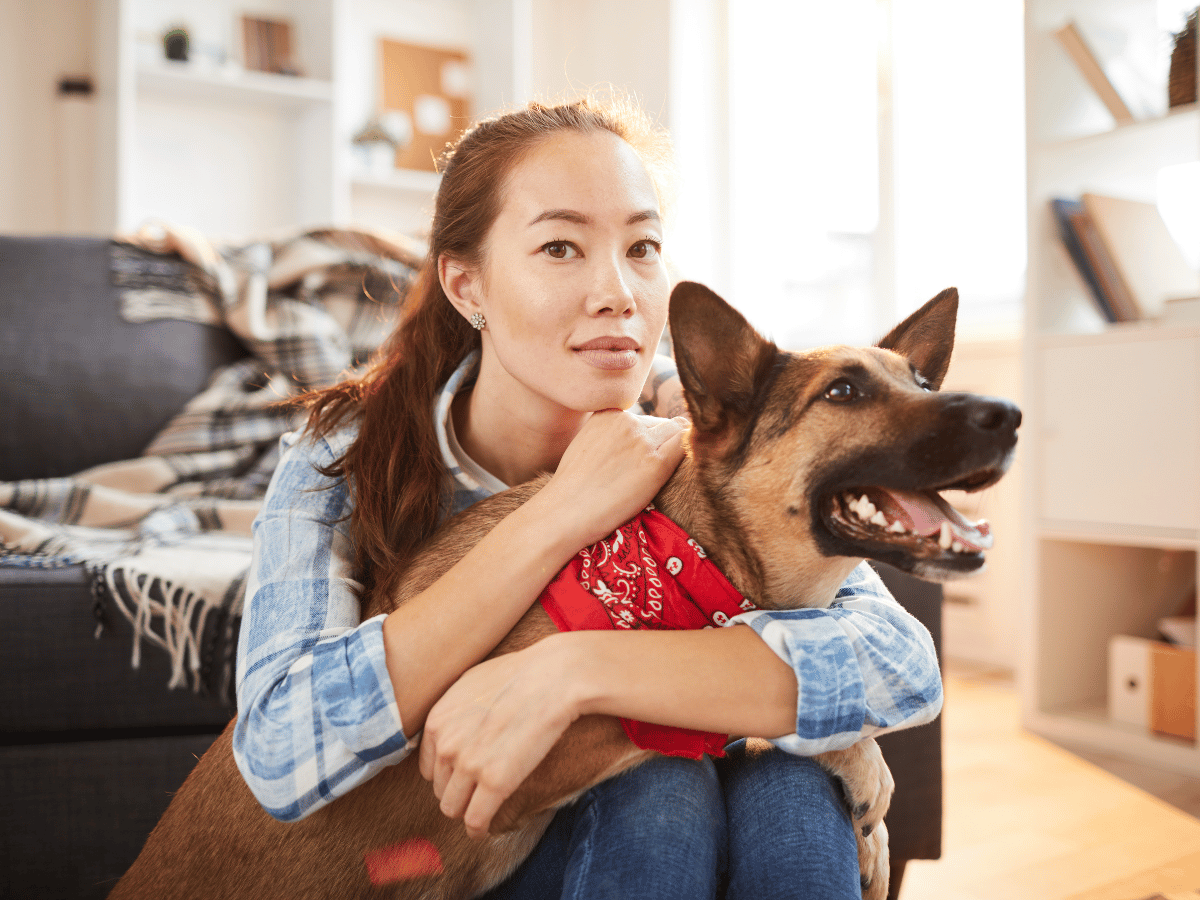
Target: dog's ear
(722, 360)
(926, 338)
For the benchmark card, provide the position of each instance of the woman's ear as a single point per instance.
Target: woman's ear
(460, 284)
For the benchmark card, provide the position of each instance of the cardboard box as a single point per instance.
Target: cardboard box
(1152, 685)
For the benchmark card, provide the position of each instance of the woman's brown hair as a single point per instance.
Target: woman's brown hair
(394, 466)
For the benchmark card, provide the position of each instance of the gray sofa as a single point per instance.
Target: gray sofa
(91, 749)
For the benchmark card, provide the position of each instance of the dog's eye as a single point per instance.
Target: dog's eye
(841, 391)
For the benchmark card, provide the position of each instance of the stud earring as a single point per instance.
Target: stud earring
(478, 321)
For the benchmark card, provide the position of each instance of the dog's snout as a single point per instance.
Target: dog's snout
(992, 414)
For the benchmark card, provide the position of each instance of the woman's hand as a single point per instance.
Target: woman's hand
(613, 468)
(490, 730)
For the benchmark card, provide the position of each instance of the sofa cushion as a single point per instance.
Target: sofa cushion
(62, 681)
(74, 816)
(79, 385)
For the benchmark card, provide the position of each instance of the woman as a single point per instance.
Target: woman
(533, 326)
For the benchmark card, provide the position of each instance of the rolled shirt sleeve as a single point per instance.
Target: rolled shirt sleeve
(317, 714)
(864, 665)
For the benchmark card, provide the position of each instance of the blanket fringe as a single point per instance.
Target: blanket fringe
(182, 614)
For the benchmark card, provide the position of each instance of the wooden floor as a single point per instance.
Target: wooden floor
(1027, 820)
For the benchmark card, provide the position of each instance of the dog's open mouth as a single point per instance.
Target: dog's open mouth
(900, 516)
(922, 524)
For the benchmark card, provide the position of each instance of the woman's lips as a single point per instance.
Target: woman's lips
(612, 353)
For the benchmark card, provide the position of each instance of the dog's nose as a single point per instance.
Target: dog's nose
(994, 414)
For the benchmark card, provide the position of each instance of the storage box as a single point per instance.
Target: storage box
(1152, 685)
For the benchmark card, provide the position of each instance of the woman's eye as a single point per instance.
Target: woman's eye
(559, 250)
(841, 391)
(646, 249)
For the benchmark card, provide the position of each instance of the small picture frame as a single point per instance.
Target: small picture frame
(267, 45)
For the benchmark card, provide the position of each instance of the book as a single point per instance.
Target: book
(267, 45)
(1146, 258)
(1071, 40)
(1099, 255)
(1071, 218)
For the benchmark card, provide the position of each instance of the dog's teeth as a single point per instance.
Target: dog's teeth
(866, 508)
(879, 519)
(945, 539)
(897, 527)
(957, 547)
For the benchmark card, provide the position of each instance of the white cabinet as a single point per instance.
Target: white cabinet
(1120, 430)
(1111, 441)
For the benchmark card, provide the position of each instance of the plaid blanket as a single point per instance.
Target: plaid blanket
(165, 537)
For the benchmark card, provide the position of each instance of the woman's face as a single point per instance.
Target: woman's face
(574, 287)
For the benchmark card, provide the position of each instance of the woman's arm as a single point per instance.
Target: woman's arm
(611, 470)
(316, 711)
(320, 692)
(864, 666)
(812, 680)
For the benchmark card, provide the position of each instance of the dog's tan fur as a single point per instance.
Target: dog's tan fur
(745, 491)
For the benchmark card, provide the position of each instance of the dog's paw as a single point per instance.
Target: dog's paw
(874, 865)
(866, 781)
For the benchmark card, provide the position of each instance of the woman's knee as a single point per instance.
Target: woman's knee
(790, 833)
(758, 772)
(665, 791)
(656, 831)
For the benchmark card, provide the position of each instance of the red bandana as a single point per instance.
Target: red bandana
(647, 574)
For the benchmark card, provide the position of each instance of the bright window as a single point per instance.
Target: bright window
(876, 155)
(804, 167)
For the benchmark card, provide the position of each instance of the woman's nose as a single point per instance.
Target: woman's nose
(610, 293)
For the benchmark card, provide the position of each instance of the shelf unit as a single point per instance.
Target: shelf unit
(238, 153)
(178, 81)
(1111, 441)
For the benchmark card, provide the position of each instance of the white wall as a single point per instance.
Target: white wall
(42, 136)
(982, 613)
(594, 45)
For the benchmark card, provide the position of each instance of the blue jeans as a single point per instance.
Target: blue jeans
(759, 823)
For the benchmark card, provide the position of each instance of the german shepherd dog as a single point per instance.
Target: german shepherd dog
(798, 466)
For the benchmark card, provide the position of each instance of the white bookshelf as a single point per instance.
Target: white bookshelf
(1111, 441)
(182, 82)
(238, 153)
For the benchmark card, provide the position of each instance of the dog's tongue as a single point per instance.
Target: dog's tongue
(924, 513)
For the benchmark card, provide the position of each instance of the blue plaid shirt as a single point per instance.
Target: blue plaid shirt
(317, 715)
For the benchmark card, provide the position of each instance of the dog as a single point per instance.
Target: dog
(797, 467)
